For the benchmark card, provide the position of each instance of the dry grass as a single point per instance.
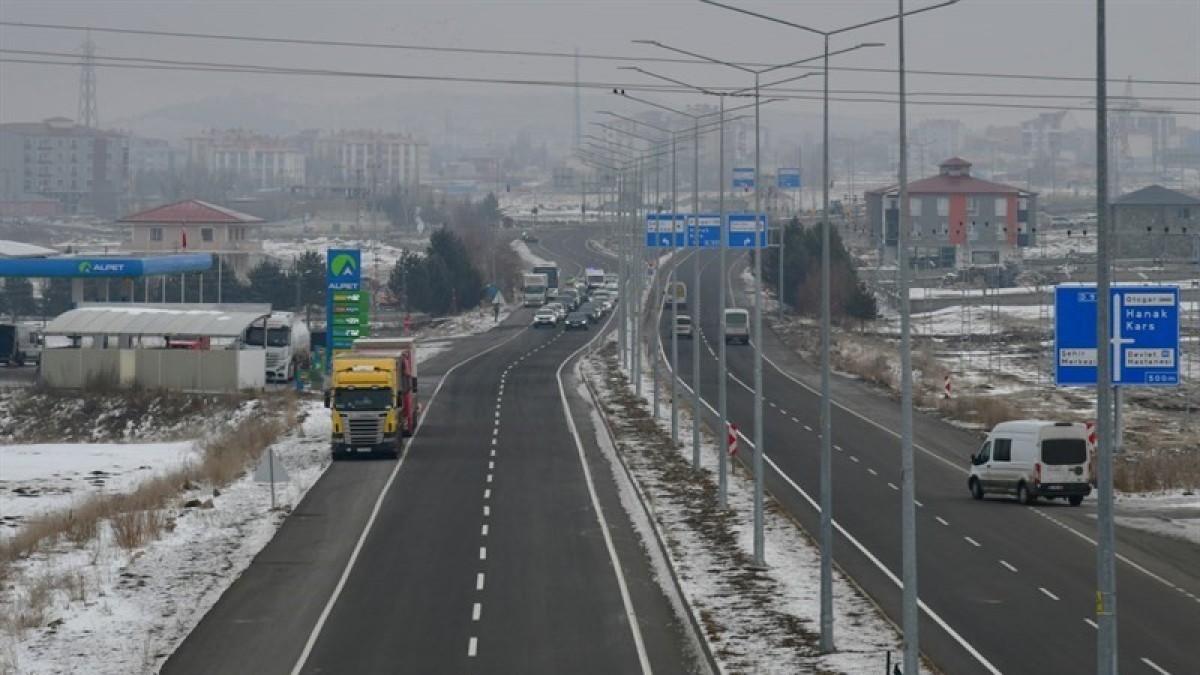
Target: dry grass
(987, 411)
(138, 517)
(1158, 470)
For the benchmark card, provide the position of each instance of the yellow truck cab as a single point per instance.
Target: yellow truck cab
(372, 396)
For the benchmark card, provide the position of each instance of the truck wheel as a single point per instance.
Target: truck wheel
(976, 489)
(1075, 500)
(1024, 495)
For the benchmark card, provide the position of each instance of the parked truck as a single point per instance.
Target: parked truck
(551, 272)
(288, 344)
(372, 395)
(533, 289)
(19, 345)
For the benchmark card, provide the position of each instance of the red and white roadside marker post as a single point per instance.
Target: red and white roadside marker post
(946, 387)
(732, 439)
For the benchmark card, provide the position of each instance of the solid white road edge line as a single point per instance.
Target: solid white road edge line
(1154, 665)
(634, 627)
(883, 568)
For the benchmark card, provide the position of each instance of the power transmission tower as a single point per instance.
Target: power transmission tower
(87, 116)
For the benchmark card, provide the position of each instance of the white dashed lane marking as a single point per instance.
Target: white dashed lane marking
(941, 520)
(972, 542)
(472, 647)
(476, 611)
(1047, 593)
(873, 472)
(483, 553)
(1007, 566)
(479, 581)
(893, 486)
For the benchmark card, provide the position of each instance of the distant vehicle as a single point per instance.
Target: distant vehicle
(1089, 219)
(19, 344)
(569, 297)
(576, 320)
(288, 345)
(529, 238)
(1061, 221)
(551, 272)
(545, 317)
(594, 277)
(737, 326)
(683, 326)
(593, 309)
(675, 294)
(558, 308)
(533, 289)
(1031, 459)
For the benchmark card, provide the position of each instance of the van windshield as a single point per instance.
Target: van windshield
(735, 319)
(1064, 451)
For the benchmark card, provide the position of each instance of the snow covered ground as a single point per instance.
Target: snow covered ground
(119, 612)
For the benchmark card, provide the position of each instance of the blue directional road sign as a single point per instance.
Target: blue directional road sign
(1145, 335)
(741, 230)
(707, 234)
(788, 179)
(658, 230)
(743, 177)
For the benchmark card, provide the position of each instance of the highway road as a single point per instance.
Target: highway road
(496, 544)
(1004, 588)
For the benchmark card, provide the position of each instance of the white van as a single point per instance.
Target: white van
(683, 326)
(1031, 459)
(737, 326)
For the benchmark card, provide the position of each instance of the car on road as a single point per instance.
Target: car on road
(545, 317)
(1031, 459)
(737, 326)
(593, 310)
(683, 326)
(558, 309)
(576, 320)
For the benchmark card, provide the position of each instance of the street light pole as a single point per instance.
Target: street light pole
(826, 479)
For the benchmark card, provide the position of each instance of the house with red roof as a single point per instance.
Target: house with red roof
(955, 219)
(195, 226)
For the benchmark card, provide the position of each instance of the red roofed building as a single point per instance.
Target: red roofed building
(956, 220)
(194, 226)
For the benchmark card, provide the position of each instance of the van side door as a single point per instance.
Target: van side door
(981, 464)
(1004, 474)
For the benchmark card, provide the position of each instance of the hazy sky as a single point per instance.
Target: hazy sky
(1147, 40)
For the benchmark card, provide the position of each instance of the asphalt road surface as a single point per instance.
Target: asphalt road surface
(496, 544)
(1005, 588)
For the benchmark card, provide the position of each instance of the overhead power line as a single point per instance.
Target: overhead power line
(138, 63)
(552, 54)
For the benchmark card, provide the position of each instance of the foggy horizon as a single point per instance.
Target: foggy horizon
(1035, 40)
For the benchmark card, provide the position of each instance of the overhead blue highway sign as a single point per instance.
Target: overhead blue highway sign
(705, 235)
(741, 227)
(1144, 335)
(788, 179)
(659, 229)
(743, 177)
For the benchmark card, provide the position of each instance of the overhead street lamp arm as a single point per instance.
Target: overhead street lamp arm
(637, 121)
(826, 33)
(664, 78)
(602, 125)
(656, 43)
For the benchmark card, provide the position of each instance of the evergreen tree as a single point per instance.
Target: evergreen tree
(269, 283)
(308, 273)
(18, 297)
(56, 296)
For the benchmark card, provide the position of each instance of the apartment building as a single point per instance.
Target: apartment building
(83, 169)
(264, 161)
